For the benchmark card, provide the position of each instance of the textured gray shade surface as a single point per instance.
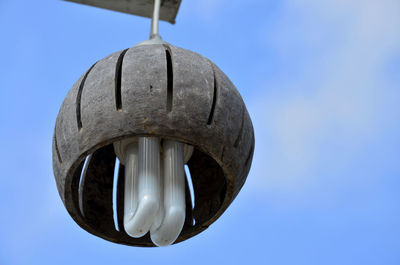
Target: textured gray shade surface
(144, 8)
(150, 90)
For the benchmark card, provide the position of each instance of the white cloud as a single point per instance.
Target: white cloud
(335, 94)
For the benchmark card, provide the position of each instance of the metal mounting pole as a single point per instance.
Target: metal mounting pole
(155, 38)
(155, 20)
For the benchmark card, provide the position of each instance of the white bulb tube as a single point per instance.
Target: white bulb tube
(149, 187)
(131, 183)
(160, 214)
(174, 195)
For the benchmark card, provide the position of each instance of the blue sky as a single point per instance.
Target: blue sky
(321, 82)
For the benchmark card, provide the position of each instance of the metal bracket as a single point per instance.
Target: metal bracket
(144, 8)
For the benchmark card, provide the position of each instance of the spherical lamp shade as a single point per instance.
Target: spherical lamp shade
(155, 90)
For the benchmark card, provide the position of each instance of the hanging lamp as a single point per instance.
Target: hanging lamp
(146, 112)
